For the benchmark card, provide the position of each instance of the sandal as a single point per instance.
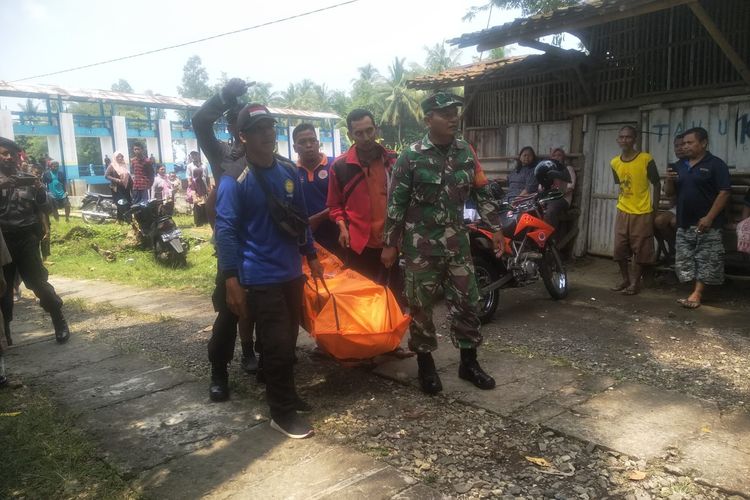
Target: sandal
(631, 290)
(689, 304)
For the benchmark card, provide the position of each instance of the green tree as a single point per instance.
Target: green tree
(439, 58)
(401, 103)
(34, 145)
(367, 89)
(528, 7)
(263, 93)
(29, 109)
(194, 80)
(122, 85)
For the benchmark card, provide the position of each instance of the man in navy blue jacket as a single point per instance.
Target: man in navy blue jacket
(262, 264)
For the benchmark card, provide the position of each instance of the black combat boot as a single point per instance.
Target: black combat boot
(428, 376)
(62, 333)
(470, 370)
(7, 333)
(219, 389)
(249, 362)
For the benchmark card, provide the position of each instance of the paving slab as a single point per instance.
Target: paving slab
(142, 433)
(636, 419)
(260, 463)
(112, 380)
(720, 454)
(48, 357)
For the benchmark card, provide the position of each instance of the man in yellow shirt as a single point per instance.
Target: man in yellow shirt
(634, 227)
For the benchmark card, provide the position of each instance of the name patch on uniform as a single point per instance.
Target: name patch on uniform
(323, 174)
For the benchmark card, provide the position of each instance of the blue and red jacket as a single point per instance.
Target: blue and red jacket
(349, 197)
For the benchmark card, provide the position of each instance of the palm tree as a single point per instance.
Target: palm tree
(439, 58)
(261, 92)
(401, 103)
(29, 111)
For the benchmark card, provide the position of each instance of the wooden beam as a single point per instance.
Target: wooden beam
(739, 64)
(501, 39)
(544, 47)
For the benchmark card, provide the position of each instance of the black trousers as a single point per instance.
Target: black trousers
(23, 246)
(224, 331)
(368, 264)
(277, 309)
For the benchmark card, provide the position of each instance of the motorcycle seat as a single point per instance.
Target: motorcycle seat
(98, 195)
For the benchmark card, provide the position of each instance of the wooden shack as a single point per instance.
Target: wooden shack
(660, 65)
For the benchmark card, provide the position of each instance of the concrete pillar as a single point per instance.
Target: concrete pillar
(165, 143)
(120, 133)
(190, 145)
(68, 140)
(105, 143)
(6, 124)
(53, 147)
(152, 148)
(336, 142)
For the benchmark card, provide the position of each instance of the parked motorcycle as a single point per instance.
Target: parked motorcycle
(530, 252)
(98, 208)
(159, 232)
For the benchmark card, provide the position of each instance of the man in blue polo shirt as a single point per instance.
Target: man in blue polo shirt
(703, 187)
(312, 166)
(261, 262)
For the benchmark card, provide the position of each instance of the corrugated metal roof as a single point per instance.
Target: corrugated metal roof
(570, 18)
(462, 74)
(494, 69)
(156, 100)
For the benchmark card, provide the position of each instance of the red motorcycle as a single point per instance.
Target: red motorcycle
(530, 252)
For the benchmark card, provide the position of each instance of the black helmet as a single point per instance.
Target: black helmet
(547, 171)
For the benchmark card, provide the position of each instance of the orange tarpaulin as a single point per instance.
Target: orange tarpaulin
(354, 318)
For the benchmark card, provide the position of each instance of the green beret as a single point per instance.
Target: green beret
(441, 100)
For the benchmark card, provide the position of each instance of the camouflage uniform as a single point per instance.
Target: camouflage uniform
(425, 219)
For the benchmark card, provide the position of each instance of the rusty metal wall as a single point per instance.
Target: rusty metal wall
(727, 122)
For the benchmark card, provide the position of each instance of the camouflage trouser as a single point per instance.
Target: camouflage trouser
(456, 276)
(699, 256)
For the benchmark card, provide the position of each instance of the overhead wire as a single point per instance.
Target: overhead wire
(184, 44)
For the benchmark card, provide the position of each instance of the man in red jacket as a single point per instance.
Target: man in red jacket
(358, 195)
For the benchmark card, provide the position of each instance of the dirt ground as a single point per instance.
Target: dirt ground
(468, 452)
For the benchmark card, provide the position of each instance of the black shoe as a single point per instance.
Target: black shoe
(249, 364)
(219, 388)
(62, 333)
(292, 425)
(3, 380)
(302, 406)
(470, 370)
(429, 380)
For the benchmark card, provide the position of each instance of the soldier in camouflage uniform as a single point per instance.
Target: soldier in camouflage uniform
(432, 180)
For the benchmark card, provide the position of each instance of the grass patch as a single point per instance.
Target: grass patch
(74, 255)
(45, 456)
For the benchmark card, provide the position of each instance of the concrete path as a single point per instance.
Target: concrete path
(156, 426)
(687, 435)
(154, 422)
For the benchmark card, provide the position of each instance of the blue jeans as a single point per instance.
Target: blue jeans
(140, 196)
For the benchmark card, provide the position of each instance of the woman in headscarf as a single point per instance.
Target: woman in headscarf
(162, 190)
(118, 175)
(522, 180)
(199, 191)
